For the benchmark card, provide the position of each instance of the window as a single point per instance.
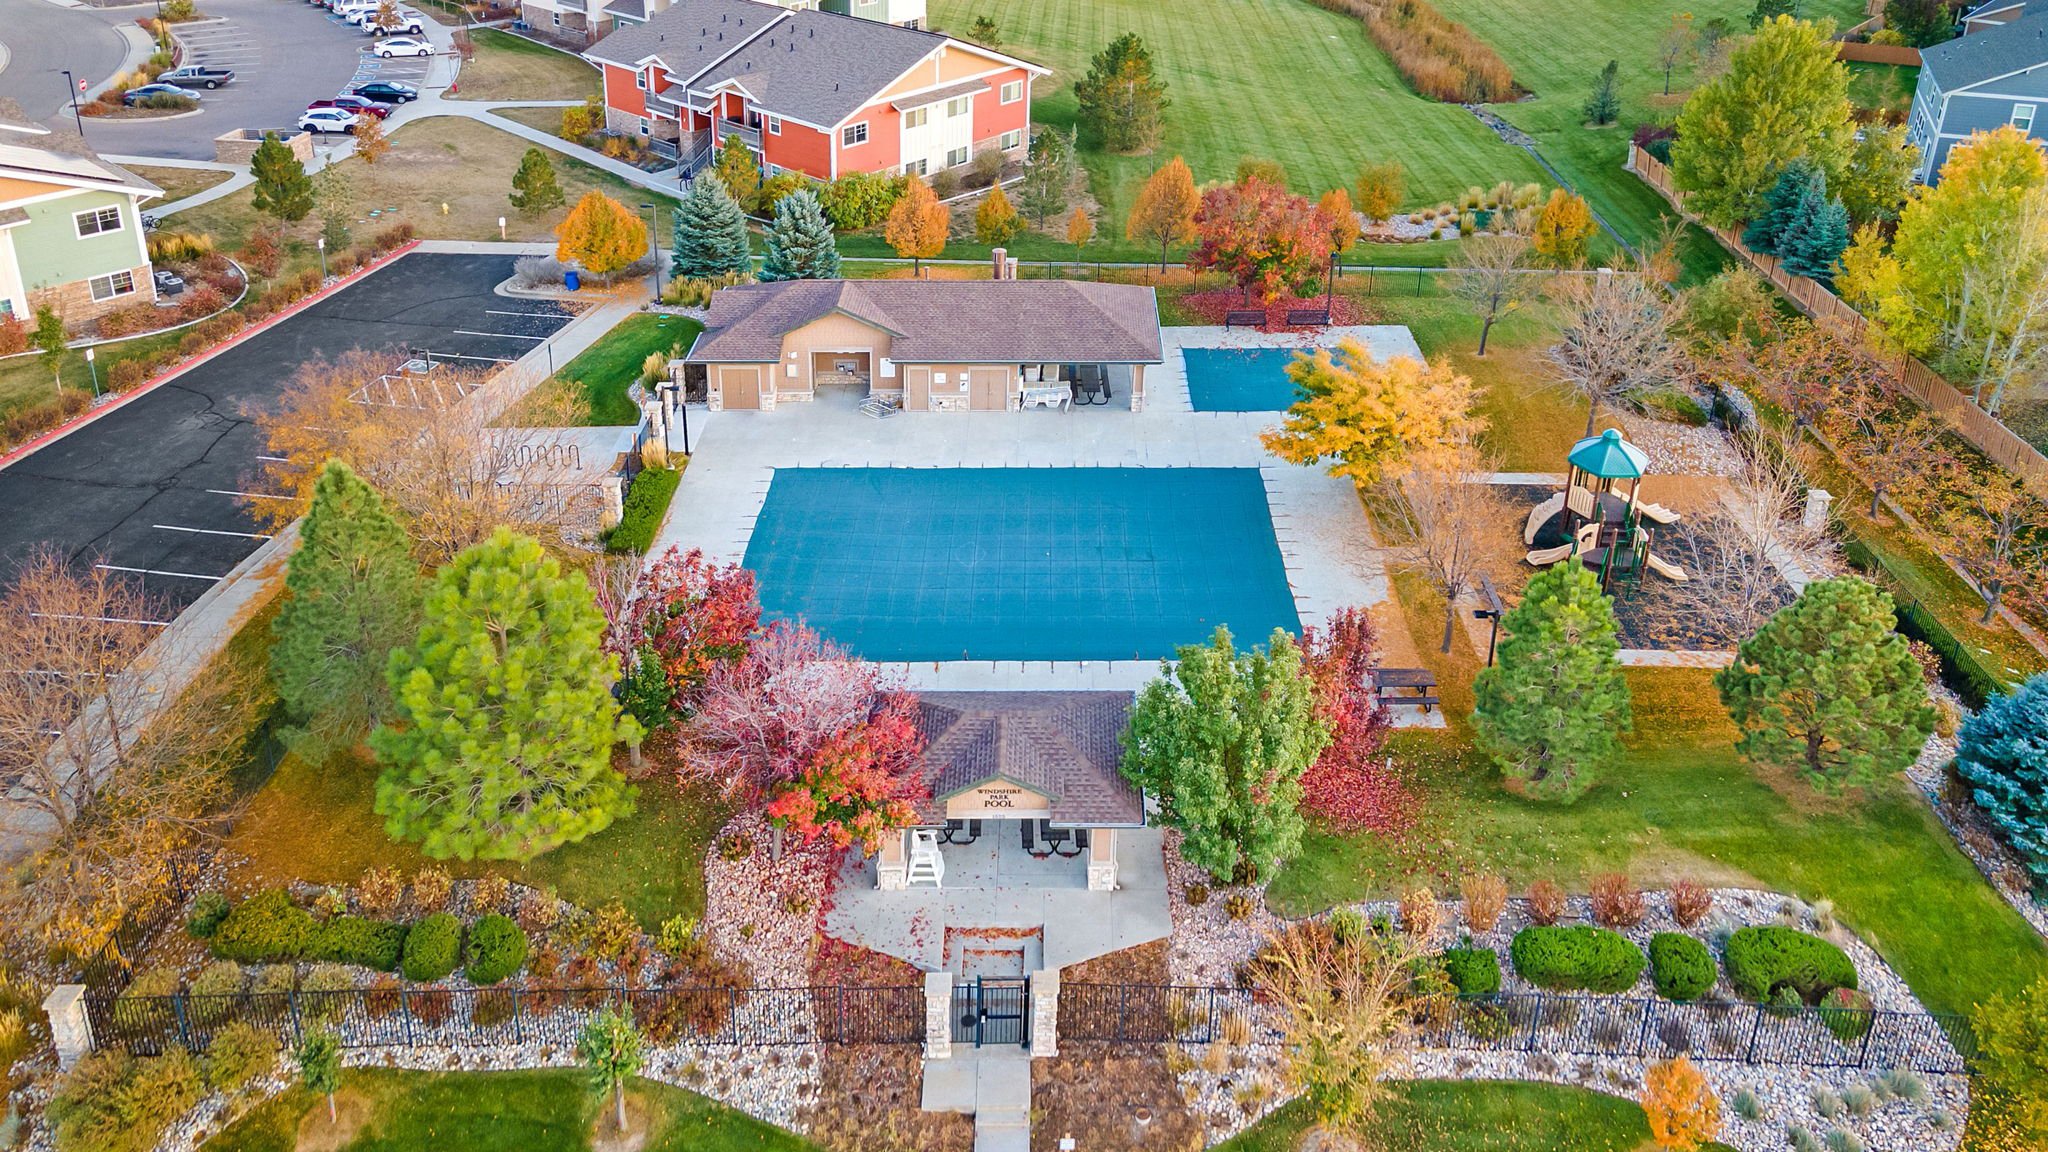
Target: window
(97, 221)
(640, 80)
(916, 168)
(556, 17)
(956, 157)
(854, 134)
(643, 125)
(1012, 139)
(1013, 92)
(959, 105)
(916, 117)
(2023, 117)
(108, 287)
(913, 24)
(775, 125)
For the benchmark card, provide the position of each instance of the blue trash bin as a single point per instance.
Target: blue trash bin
(571, 280)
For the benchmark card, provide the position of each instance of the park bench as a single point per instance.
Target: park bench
(1388, 682)
(1245, 317)
(1305, 317)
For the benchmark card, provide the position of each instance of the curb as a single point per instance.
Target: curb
(179, 369)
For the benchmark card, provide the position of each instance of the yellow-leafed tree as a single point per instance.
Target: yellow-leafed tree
(1682, 1109)
(995, 221)
(1080, 229)
(1563, 229)
(600, 234)
(1336, 208)
(917, 224)
(1368, 420)
(1164, 213)
(1380, 188)
(371, 143)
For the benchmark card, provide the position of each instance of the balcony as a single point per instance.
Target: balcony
(751, 137)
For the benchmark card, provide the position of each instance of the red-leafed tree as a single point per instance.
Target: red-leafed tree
(860, 785)
(1265, 238)
(763, 718)
(687, 616)
(1351, 785)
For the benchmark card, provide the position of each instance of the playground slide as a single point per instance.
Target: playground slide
(1545, 557)
(1540, 514)
(1657, 513)
(1665, 568)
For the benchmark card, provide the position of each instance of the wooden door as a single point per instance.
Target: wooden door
(742, 387)
(989, 389)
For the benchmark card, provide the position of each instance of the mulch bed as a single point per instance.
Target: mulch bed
(870, 1096)
(1210, 307)
(1097, 1093)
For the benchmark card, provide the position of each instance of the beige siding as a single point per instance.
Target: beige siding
(833, 333)
(969, 387)
(950, 65)
(1005, 801)
(739, 385)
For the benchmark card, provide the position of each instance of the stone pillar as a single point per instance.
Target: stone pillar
(614, 489)
(892, 867)
(1045, 1013)
(70, 1031)
(654, 449)
(938, 1015)
(1102, 860)
(1816, 515)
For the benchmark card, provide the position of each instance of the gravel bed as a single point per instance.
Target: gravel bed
(765, 911)
(1679, 449)
(1972, 832)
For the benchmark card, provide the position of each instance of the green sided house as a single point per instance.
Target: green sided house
(70, 230)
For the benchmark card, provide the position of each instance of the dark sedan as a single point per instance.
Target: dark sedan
(362, 104)
(386, 92)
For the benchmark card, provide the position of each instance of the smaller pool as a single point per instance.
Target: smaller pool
(1240, 379)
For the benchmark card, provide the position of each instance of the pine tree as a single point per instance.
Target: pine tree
(1605, 104)
(2002, 754)
(533, 187)
(1221, 740)
(1121, 99)
(282, 188)
(800, 241)
(1782, 204)
(1827, 687)
(355, 596)
(1048, 173)
(1553, 709)
(710, 233)
(504, 721)
(995, 221)
(1821, 237)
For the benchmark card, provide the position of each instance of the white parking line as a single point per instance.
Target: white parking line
(161, 572)
(496, 312)
(500, 335)
(212, 532)
(250, 495)
(280, 459)
(100, 619)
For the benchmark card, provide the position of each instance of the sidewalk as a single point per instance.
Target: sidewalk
(238, 179)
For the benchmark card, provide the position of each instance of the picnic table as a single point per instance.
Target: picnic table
(1388, 682)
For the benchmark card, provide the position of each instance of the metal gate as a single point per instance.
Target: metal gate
(992, 1012)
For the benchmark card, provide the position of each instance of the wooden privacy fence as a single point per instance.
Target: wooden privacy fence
(1924, 384)
(1877, 53)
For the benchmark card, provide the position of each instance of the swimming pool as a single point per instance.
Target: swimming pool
(1240, 379)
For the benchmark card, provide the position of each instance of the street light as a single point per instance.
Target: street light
(321, 244)
(654, 245)
(1493, 611)
(95, 373)
(73, 86)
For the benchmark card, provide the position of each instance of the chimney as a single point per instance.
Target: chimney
(1013, 267)
(1001, 260)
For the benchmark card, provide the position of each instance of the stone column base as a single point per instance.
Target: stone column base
(1045, 1013)
(70, 1031)
(938, 1015)
(891, 877)
(1102, 875)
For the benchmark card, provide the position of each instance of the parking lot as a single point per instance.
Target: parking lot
(285, 55)
(158, 488)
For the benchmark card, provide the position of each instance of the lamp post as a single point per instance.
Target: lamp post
(94, 368)
(74, 86)
(1492, 612)
(321, 244)
(654, 246)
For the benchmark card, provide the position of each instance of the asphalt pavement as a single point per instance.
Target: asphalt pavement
(159, 488)
(41, 40)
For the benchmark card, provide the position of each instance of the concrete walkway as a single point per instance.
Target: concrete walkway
(238, 179)
(994, 1085)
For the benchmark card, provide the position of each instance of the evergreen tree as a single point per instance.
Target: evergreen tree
(1799, 180)
(1553, 708)
(2002, 754)
(282, 188)
(504, 720)
(995, 221)
(1121, 98)
(1771, 9)
(533, 187)
(1827, 687)
(710, 233)
(1924, 23)
(1048, 173)
(1605, 104)
(1818, 240)
(800, 241)
(355, 596)
(1220, 740)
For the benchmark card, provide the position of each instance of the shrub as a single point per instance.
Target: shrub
(1843, 1140)
(265, 928)
(13, 336)
(127, 321)
(1902, 1084)
(215, 993)
(1617, 903)
(432, 948)
(1680, 966)
(946, 183)
(647, 500)
(1826, 1104)
(491, 893)
(1690, 903)
(497, 948)
(113, 1102)
(260, 254)
(240, 1053)
(860, 199)
(430, 888)
(1579, 957)
(1421, 915)
(381, 998)
(201, 300)
(1486, 897)
(1847, 1013)
(580, 121)
(1747, 1104)
(209, 908)
(167, 247)
(1762, 961)
(356, 940)
(1474, 971)
(321, 992)
(1239, 906)
(1440, 59)
(380, 889)
(1546, 902)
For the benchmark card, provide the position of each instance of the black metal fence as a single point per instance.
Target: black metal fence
(1634, 1028)
(483, 1017)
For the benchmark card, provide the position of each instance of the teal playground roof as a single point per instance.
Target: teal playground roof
(1609, 457)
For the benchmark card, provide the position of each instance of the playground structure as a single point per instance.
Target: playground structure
(1600, 517)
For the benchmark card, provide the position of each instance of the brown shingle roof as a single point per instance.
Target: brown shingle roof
(944, 321)
(1062, 745)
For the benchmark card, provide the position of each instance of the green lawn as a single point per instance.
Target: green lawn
(1309, 90)
(1882, 85)
(605, 369)
(1464, 1116)
(508, 67)
(541, 1111)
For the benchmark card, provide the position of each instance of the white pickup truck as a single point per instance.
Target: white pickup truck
(196, 76)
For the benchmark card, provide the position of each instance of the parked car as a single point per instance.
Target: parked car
(408, 23)
(138, 94)
(404, 46)
(318, 120)
(386, 92)
(169, 283)
(356, 104)
(196, 76)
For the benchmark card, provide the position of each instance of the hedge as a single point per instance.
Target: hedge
(1762, 961)
(432, 948)
(1475, 971)
(646, 503)
(1680, 966)
(1846, 1013)
(356, 940)
(266, 927)
(497, 949)
(1578, 957)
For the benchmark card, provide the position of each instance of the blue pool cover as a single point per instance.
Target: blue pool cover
(1240, 379)
(922, 564)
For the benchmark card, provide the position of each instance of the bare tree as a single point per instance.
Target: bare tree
(1492, 277)
(1617, 340)
(1453, 516)
(1737, 553)
(1895, 442)
(1999, 531)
